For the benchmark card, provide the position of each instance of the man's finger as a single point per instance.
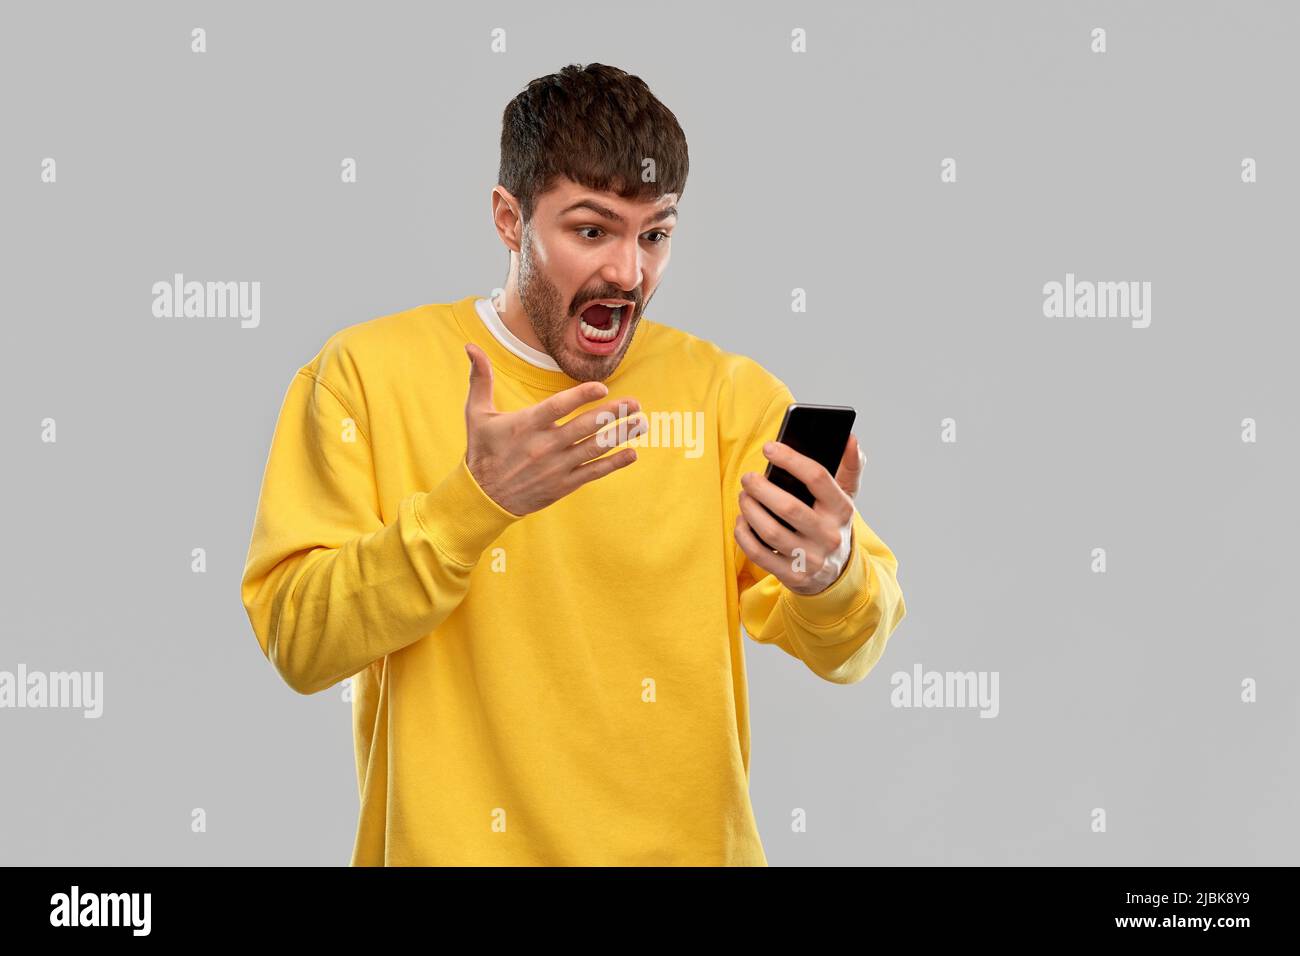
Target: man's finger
(765, 558)
(781, 503)
(849, 475)
(544, 414)
(811, 473)
(580, 426)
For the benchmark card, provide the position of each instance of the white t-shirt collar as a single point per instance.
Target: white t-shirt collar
(488, 313)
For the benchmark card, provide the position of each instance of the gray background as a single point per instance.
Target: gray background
(819, 171)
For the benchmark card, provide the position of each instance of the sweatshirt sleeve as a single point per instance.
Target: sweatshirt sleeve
(328, 587)
(841, 632)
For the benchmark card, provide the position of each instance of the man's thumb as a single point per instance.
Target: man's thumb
(849, 474)
(480, 379)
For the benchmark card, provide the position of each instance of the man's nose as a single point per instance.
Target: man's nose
(623, 267)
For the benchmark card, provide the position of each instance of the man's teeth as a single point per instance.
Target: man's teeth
(602, 335)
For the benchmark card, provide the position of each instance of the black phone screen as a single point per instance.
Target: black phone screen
(819, 431)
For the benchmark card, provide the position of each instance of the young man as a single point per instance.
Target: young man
(544, 633)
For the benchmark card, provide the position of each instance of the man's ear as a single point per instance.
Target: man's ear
(506, 218)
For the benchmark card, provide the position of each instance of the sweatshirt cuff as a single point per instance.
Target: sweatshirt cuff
(855, 587)
(460, 517)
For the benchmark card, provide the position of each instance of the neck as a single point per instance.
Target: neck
(511, 310)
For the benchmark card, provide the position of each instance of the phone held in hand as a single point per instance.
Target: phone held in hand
(819, 431)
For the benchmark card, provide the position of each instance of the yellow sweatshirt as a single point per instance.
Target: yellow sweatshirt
(562, 688)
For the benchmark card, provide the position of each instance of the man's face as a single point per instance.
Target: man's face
(582, 245)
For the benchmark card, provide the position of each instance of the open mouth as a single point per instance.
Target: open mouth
(602, 325)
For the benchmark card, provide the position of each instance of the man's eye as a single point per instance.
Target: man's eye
(657, 232)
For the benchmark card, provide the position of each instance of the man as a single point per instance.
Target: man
(544, 633)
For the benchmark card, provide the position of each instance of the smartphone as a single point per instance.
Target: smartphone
(819, 431)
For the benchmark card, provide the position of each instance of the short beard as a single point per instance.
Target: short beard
(550, 319)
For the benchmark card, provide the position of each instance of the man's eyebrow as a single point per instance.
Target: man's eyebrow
(610, 214)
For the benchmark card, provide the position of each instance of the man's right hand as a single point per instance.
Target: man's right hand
(523, 460)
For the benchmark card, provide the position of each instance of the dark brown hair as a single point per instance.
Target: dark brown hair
(596, 125)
